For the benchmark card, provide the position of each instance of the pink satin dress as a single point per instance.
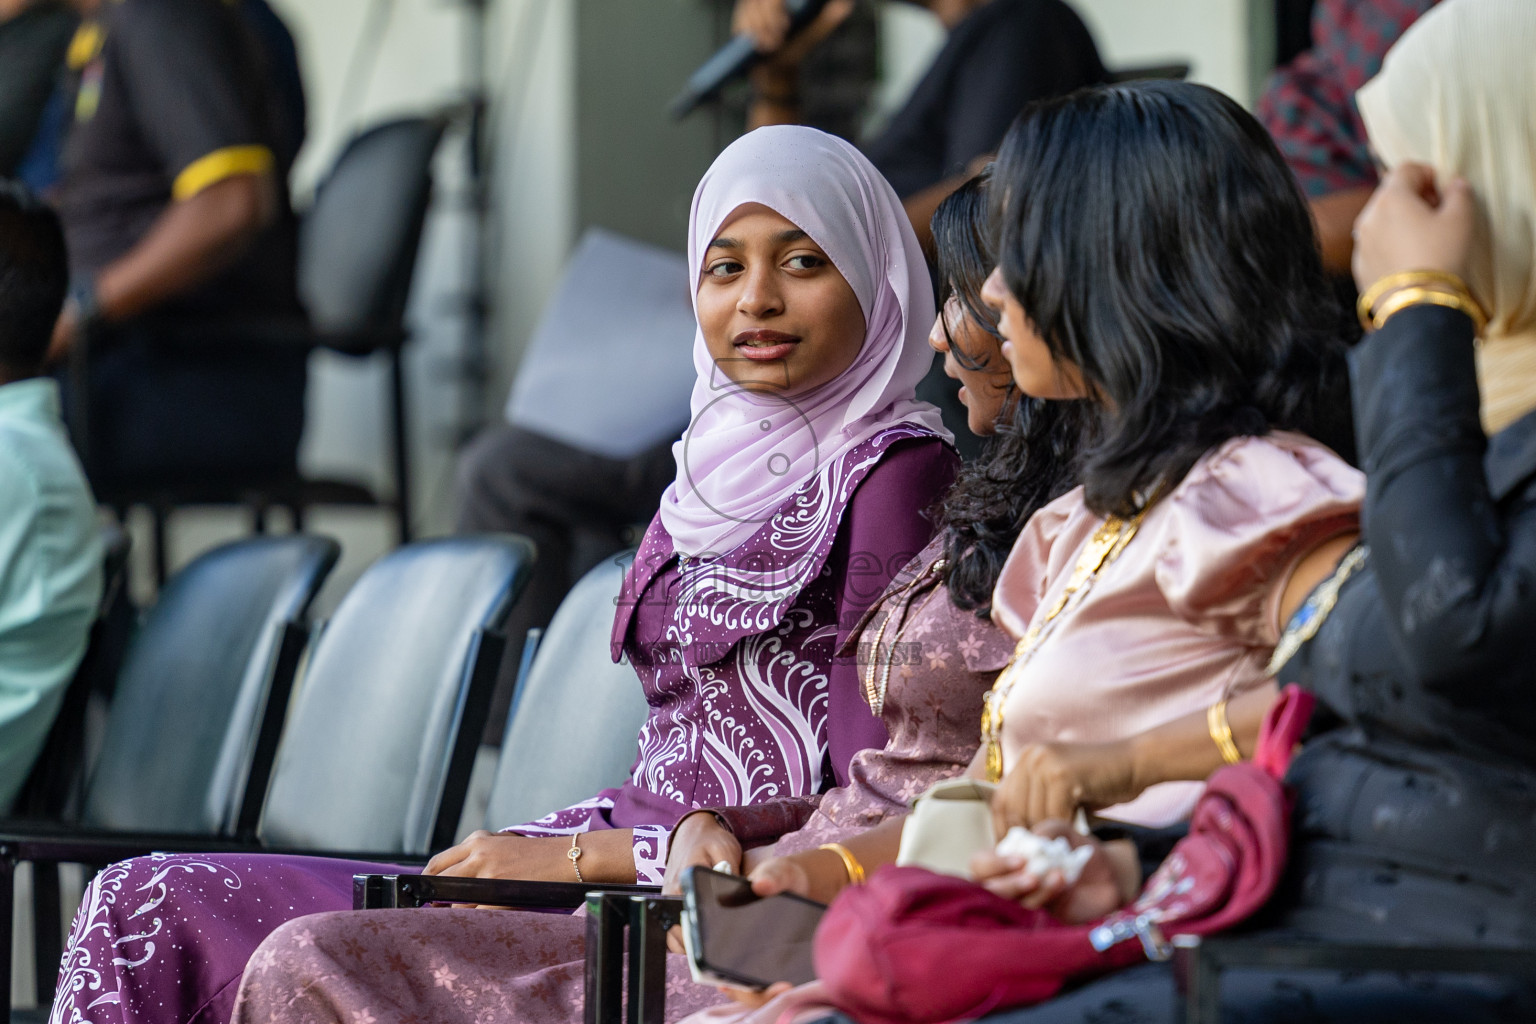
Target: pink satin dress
(1188, 613)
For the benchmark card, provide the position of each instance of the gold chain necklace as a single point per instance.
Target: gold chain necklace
(1103, 548)
(875, 696)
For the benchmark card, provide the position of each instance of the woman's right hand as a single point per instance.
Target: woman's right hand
(1411, 223)
(1052, 780)
(699, 841)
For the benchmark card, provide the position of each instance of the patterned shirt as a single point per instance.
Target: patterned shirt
(736, 654)
(1309, 105)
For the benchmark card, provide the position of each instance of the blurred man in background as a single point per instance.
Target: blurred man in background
(175, 201)
(998, 56)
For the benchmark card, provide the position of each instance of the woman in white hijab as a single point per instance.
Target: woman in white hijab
(802, 487)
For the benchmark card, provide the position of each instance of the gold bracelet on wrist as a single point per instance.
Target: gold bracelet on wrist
(850, 862)
(1403, 279)
(1221, 731)
(574, 855)
(1401, 299)
(1442, 281)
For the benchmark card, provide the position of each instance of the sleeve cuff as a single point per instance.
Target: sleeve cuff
(761, 824)
(651, 846)
(220, 165)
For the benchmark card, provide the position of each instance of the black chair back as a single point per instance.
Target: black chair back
(382, 732)
(57, 778)
(575, 708)
(196, 683)
(358, 242)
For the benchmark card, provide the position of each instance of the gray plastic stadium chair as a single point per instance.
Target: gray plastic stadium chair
(209, 668)
(192, 691)
(572, 732)
(382, 733)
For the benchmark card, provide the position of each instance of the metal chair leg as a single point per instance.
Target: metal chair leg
(47, 929)
(607, 918)
(650, 918)
(159, 515)
(7, 939)
(1202, 984)
(402, 452)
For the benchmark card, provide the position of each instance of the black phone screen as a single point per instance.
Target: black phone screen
(745, 938)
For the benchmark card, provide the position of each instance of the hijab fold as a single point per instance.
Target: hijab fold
(1458, 92)
(746, 453)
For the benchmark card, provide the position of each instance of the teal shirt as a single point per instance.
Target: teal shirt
(50, 572)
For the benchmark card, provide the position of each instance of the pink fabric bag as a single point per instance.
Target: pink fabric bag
(914, 947)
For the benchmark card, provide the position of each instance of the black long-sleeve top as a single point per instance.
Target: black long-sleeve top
(1436, 642)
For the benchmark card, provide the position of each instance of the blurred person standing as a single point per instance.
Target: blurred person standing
(50, 551)
(998, 56)
(1309, 109)
(175, 203)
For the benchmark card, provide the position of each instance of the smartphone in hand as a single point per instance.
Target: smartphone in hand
(736, 938)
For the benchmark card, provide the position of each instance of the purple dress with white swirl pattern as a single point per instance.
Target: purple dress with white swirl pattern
(747, 702)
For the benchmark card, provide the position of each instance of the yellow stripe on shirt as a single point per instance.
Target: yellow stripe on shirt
(86, 45)
(220, 165)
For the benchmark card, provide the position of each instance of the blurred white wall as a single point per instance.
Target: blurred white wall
(1225, 42)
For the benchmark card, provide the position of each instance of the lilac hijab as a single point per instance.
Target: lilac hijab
(746, 453)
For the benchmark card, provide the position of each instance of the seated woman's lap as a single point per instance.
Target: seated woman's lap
(165, 938)
(434, 964)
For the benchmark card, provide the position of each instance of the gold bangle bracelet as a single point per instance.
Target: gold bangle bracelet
(574, 855)
(1405, 297)
(1221, 731)
(850, 862)
(1404, 279)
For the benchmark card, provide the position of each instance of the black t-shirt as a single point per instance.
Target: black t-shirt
(32, 46)
(1005, 55)
(170, 97)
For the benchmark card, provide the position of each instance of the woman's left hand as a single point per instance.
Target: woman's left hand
(1052, 780)
(1099, 890)
(606, 856)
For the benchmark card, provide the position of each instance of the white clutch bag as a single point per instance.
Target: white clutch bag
(949, 824)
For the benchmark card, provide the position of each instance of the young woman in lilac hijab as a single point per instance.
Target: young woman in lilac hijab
(801, 487)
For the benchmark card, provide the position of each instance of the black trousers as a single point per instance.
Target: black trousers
(579, 508)
(172, 413)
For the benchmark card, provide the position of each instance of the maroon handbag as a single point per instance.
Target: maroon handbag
(915, 947)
